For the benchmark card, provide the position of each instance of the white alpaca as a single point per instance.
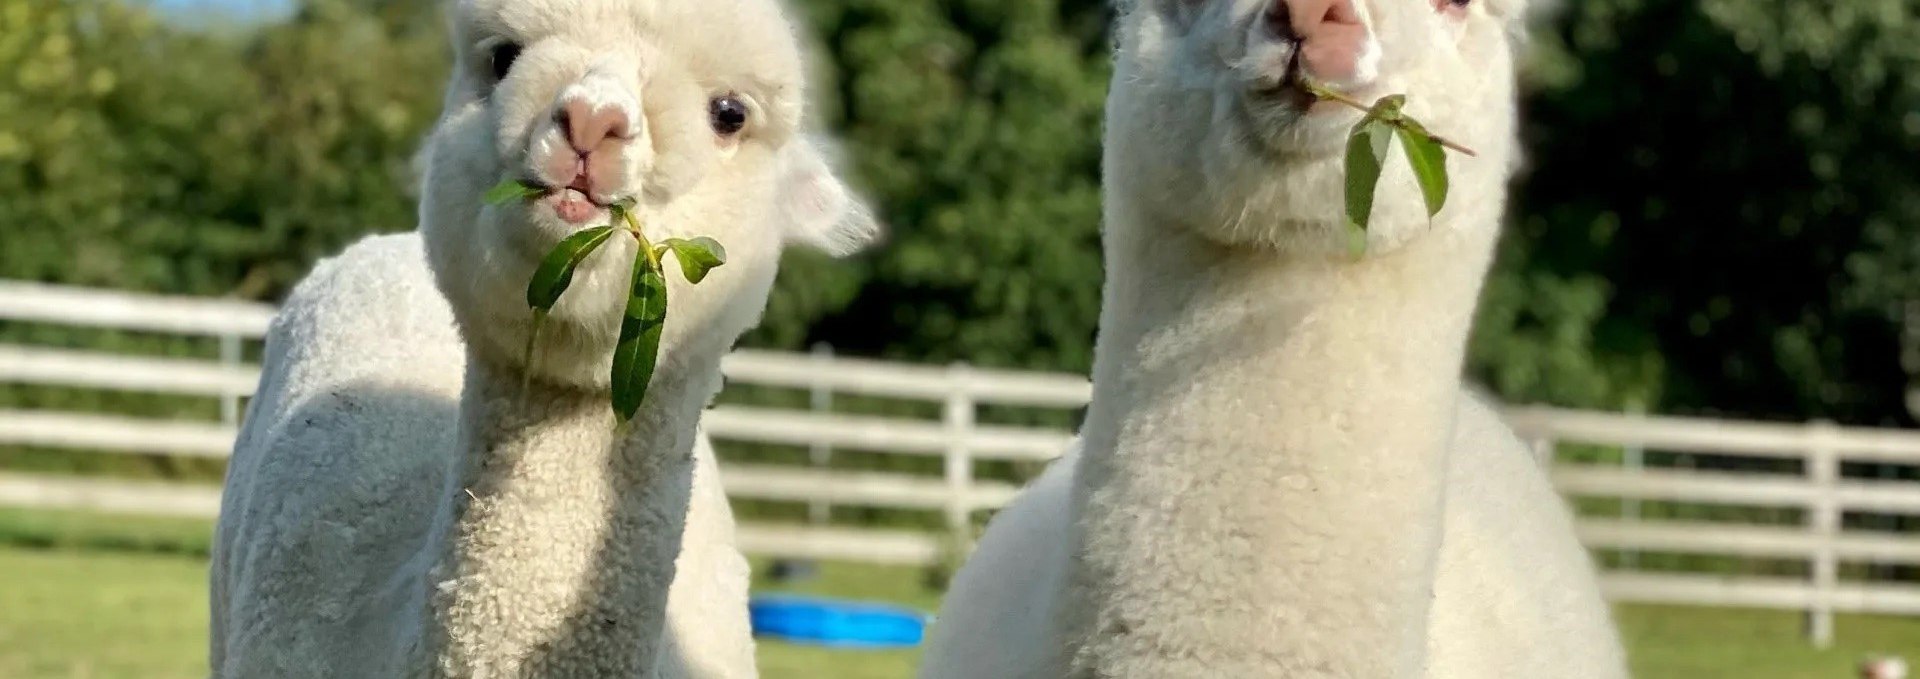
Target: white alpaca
(408, 498)
(1280, 473)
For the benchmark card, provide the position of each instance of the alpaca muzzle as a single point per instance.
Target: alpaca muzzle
(584, 152)
(1333, 43)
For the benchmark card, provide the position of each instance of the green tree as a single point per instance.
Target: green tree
(976, 127)
(1721, 212)
(165, 159)
(346, 92)
(1720, 209)
(116, 139)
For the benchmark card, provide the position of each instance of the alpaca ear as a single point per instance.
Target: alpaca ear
(820, 210)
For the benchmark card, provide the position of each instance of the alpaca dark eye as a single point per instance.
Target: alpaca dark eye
(728, 115)
(1459, 3)
(502, 59)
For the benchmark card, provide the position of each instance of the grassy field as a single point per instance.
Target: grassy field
(83, 598)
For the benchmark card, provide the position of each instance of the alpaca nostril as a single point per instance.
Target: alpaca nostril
(1342, 13)
(587, 126)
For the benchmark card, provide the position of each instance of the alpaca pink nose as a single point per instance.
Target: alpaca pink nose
(589, 160)
(588, 126)
(1330, 34)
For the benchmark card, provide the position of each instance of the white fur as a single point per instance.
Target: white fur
(1366, 67)
(1281, 473)
(408, 498)
(1514, 594)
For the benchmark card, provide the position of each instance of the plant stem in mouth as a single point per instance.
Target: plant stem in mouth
(633, 227)
(1328, 94)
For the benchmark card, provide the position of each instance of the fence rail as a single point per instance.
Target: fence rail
(1817, 490)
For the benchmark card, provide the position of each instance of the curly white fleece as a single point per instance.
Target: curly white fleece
(1279, 474)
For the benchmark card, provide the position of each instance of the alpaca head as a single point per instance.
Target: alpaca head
(690, 109)
(1211, 131)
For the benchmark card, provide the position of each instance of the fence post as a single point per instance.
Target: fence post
(1543, 451)
(959, 459)
(229, 357)
(1635, 460)
(820, 399)
(1823, 521)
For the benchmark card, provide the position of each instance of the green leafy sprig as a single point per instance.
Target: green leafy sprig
(1367, 155)
(645, 317)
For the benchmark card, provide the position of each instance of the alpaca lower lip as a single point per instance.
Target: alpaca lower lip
(573, 206)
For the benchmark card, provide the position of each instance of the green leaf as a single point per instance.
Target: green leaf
(1429, 162)
(555, 272)
(1366, 155)
(512, 190)
(1388, 108)
(639, 348)
(697, 256)
(533, 341)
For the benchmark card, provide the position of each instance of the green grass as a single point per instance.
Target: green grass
(1673, 642)
(86, 615)
(82, 597)
(92, 532)
(87, 596)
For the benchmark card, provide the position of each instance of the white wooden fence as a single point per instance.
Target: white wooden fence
(1814, 452)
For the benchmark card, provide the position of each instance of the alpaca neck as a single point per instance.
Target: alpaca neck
(1262, 484)
(557, 537)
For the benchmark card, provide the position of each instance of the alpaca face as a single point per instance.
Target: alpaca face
(689, 109)
(1211, 130)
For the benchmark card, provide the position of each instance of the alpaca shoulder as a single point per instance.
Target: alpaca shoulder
(335, 469)
(1002, 601)
(1516, 591)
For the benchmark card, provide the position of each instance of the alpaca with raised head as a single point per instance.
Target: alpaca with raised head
(409, 497)
(1280, 473)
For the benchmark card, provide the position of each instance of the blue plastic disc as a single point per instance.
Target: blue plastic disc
(831, 622)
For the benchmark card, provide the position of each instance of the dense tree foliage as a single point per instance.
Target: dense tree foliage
(977, 126)
(1721, 209)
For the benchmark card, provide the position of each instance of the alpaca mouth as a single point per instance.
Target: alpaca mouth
(1285, 119)
(575, 190)
(1289, 91)
(576, 203)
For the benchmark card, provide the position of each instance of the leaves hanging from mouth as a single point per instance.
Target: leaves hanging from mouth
(552, 277)
(555, 272)
(1429, 162)
(643, 318)
(696, 256)
(1366, 158)
(641, 325)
